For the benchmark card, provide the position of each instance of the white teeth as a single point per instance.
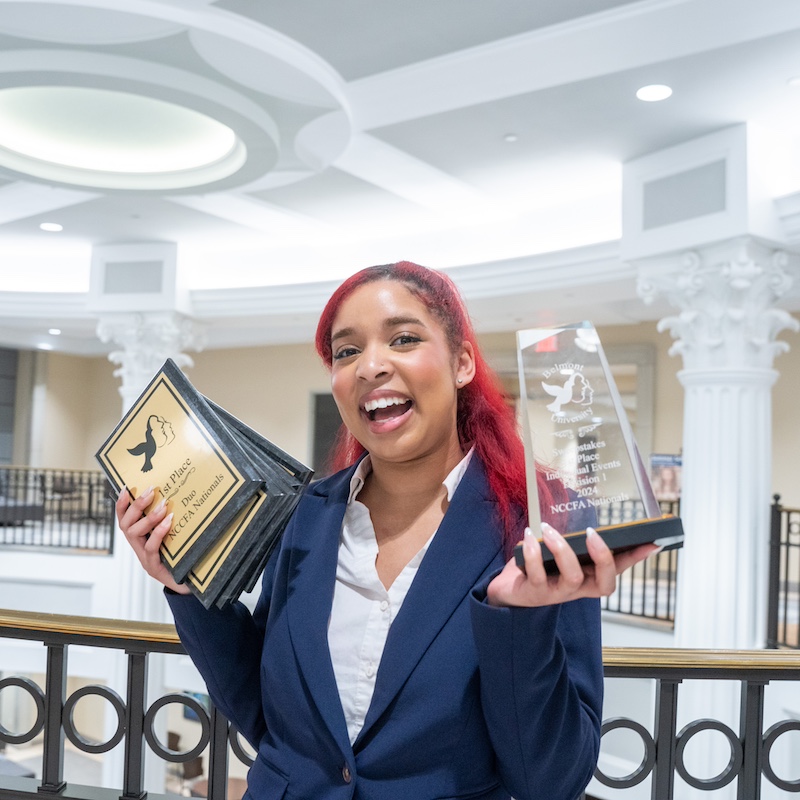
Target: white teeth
(383, 402)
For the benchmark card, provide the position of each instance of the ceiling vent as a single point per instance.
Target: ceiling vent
(137, 278)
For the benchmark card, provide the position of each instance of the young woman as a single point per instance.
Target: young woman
(397, 652)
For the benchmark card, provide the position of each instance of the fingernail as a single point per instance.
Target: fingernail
(168, 519)
(160, 505)
(549, 532)
(530, 542)
(590, 532)
(148, 491)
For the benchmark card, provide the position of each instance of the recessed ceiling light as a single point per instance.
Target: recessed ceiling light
(654, 92)
(511, 137)
(52, 227)
(795, 81)
(54, 331)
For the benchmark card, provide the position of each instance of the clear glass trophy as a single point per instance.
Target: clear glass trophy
(576, 429)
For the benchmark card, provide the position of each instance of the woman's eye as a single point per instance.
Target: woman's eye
(344, 352)
(405, 339)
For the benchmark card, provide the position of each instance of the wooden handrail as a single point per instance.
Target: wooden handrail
(698, 659)
(95, 627)
(613, 657)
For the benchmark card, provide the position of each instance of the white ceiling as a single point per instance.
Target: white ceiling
(377, 131)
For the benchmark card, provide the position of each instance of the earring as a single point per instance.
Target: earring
(460, 380)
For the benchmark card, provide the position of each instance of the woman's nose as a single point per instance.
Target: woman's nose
(372, 364)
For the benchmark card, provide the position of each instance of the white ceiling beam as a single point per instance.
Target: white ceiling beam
(25, 199)
(612, 41)
(397, 172)
(251, 213)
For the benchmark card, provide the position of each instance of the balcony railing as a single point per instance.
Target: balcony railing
(136, 721)
(751, 747)
(783, 612)
(57, 508)
(647, 590)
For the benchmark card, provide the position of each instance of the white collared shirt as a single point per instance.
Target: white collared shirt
(363, 609)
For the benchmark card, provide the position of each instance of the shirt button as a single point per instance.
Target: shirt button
(384, 605)
(346, 774)
(370, 670)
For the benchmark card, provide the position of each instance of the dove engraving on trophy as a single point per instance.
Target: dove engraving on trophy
(575, 389)
(159, 433)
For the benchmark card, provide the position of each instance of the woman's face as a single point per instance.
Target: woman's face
(394, 377)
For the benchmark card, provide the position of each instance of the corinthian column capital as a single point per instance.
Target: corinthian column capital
(146, 341)
(726, 295)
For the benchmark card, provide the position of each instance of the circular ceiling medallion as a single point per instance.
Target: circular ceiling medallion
(113, 139)
(75, 23)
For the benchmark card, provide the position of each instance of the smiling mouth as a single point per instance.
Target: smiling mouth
(386, 408)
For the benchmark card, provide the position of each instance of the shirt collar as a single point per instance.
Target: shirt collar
(450, 482)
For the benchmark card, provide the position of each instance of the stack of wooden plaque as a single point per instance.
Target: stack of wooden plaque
(230, 490)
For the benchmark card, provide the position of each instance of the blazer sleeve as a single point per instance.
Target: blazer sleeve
(226, 646)
(541, 678)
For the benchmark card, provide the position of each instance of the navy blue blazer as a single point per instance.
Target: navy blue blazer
(470, 701)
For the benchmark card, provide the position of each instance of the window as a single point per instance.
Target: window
(326, 425)
(8, 390)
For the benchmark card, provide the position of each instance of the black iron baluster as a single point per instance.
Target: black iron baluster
(53, 753)
(133, 778)
(751, 723)
(774, 571)
(664, 729)
(671, 583)
(657, 587)
(218, 757)
(631, 574)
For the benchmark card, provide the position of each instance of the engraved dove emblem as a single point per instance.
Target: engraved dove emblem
(575, 389)
(156, 427)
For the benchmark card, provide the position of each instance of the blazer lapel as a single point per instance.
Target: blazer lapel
(463, 548)
(312, 568)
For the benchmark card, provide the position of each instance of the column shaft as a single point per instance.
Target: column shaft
(725, 510)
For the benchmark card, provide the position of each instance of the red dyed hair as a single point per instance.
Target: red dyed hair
(484, 418)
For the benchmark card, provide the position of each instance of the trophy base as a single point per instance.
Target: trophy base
(666, 532)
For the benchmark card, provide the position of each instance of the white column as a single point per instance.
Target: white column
(145, 340)
(725, 332)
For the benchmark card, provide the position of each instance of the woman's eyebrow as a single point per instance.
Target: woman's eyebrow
(342, 333)
(393, 322)
(389, 322)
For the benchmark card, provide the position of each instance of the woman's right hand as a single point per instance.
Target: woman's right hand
(145, 533)
(537, 587)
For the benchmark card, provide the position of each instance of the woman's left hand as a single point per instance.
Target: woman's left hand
(536, 587)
